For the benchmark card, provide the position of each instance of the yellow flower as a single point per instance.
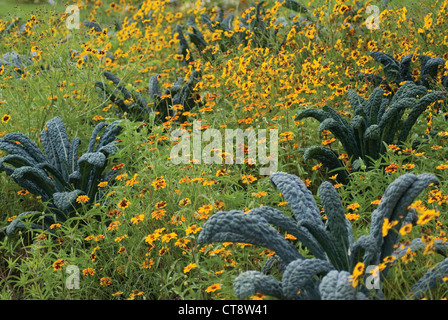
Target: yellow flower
(352, 216)
(57, 265)
(79, 63)
(88, 272)
(426, 216)
(163, 251)
(138, 218)
(388, 225)
(205, 209)
(99, 237)
(408, 256)
(168, 237)
(358, 270)
(105, 281)
(159, 183)
(23, 192)
(82, 199)
(189, 267)
(102, 184)
(184, 202)
(213, 287)
(6, 118)
(119, 239)
(248, 178)
(193, 229)
(152, 237)
(147, 264)
(353, 206)
(394, 147)
(392, 168)
(123, 204)
(161, 204)
(158, 214)
(259, 194)
(406, 229)
(132, 181)
(178, 57)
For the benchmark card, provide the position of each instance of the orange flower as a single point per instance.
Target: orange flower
(88, 271)
(159, 183)
(158, 214)
(391, 168)
(184, 202)
(138, 218)
(105, 281)
(213, 287)
(82, 199)
(189, 267)
(57, 265)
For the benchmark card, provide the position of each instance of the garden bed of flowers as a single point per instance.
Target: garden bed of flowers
(118, 180)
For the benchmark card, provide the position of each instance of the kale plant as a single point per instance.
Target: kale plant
(398, 72)
(335, 252)
(129, 102)
(255, 21)
(58, 175)
(376, 122)
(135, 105)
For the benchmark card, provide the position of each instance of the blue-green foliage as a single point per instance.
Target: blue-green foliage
(254, 20)
(335, 251)
(376, 122)
(57, 174)
(137, 107)
(130, 102)
(397, 72)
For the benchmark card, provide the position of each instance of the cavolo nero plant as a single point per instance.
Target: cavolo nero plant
(58, 175)
(326, 275)
(255, 21)
(376, 122)
(397, 72)
(137, 107)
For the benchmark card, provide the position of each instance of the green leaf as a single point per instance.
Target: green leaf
(299, 198)
(57, 145)
(327, 243)
(330, 159)
(337, 223)
(337, 285)
(394, 206)
(278, 218)
(252, 282)
(417, 110)
(236, 226)
(299, 278)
